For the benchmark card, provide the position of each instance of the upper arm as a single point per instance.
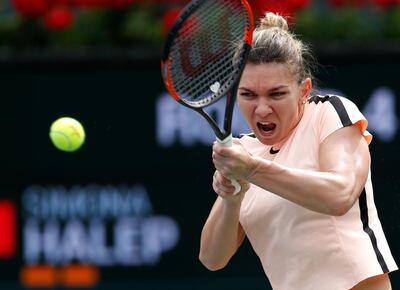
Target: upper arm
(345, 153)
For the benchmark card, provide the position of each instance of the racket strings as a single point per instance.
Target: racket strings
(207, 51)
(199, 87)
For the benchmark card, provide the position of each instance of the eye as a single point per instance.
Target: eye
(246, 94)
(278, 94)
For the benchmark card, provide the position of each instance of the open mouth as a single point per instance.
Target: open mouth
(266, 127)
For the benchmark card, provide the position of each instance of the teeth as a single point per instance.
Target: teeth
(266, 126)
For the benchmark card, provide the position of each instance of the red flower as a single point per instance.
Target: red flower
(299, 4)
(58, 18)
(165, 1)
(102, 3)
(121, 3)
(169, 18)
(61, 2)
(31, 8)
(90, 3)
(283, 7)
(82, 3)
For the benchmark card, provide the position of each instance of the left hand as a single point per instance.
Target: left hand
(233, 162)
(224, 188)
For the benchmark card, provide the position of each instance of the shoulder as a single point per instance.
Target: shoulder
(341, 107)
(334, 112)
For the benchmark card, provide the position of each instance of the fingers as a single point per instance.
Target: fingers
(224, 150)
(232, 162)
(222, 158)
(222, 184)
(218, 149)
(224, 188)
(236, 141)
(221, 164)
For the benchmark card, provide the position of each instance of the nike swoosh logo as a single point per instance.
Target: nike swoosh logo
(272, 151)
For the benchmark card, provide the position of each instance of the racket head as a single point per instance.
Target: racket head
(206, 50)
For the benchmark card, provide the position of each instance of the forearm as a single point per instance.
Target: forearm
(220, 234)
(325, 192)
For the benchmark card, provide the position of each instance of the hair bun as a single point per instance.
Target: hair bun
(271, 20)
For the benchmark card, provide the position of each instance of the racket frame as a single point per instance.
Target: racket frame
(230, 87)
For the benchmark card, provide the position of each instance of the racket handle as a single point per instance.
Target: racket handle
(228, 143)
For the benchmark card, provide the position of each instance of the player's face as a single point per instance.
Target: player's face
(272, 100)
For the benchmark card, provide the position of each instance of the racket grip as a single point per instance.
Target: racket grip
(228, 143)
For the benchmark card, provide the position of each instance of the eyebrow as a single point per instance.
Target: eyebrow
(270, 90)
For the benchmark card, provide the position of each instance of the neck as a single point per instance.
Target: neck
(278, 145)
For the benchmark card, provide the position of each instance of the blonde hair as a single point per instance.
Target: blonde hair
(273, 42)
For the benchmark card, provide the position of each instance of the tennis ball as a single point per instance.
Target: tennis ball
(67, 134)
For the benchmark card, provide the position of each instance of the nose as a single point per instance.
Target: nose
(263, 107)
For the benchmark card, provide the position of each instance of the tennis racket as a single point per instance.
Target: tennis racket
(204, 56)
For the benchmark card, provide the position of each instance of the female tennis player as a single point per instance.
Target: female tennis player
(306, 203)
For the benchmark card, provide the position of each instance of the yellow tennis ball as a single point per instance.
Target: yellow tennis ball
(67, 134)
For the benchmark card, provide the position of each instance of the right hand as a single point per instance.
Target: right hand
(224, 188)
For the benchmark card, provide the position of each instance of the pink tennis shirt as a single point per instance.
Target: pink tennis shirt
(301, 249)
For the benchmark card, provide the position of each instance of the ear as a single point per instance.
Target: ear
(306, 87)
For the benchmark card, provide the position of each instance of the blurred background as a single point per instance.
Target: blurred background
(126, 210)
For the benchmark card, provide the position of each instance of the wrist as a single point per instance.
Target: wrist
(232, 202)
